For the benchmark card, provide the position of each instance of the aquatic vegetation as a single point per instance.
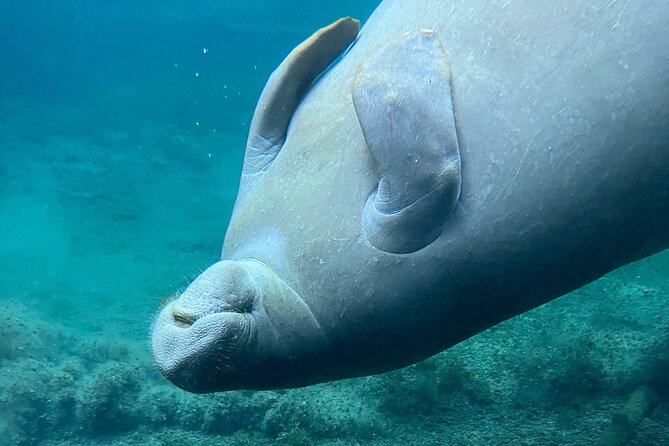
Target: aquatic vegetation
(437, 384)
(106, 400)
(624, 423)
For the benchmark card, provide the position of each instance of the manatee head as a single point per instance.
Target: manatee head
(239, 325)
(234, 327)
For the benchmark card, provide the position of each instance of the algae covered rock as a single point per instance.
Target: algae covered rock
(107, 400)
(325, 411)
(624, 423)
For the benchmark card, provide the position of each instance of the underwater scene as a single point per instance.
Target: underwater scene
(124, 126)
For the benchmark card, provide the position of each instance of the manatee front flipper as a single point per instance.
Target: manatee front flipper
(402, 97)
(286, 87)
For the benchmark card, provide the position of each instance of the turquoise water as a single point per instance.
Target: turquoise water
(123, 130)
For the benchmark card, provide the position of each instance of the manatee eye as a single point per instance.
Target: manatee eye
(183, 320)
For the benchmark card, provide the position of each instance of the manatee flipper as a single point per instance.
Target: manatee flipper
(286, 87)
(402, 97)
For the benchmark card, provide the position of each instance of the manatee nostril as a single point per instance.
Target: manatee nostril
(183, 320)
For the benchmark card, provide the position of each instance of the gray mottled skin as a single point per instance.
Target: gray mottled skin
(430, 185)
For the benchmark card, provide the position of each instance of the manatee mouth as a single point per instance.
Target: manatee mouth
(236, 326)
(187, 344)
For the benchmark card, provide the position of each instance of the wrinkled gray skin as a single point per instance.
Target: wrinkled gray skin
(429, 185)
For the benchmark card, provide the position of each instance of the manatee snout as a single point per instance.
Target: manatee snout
(237, 326)
(208, 327)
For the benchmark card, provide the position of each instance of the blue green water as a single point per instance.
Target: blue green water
(123, 128)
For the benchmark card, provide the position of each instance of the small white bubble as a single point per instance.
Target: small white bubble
(255, 67)
(176, 65)
(205, 50)
(209, 155)
(197, 122)
(197, 74)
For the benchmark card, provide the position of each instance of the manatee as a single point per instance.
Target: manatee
(452, 166)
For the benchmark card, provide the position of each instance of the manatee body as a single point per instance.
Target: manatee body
(459, 164)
